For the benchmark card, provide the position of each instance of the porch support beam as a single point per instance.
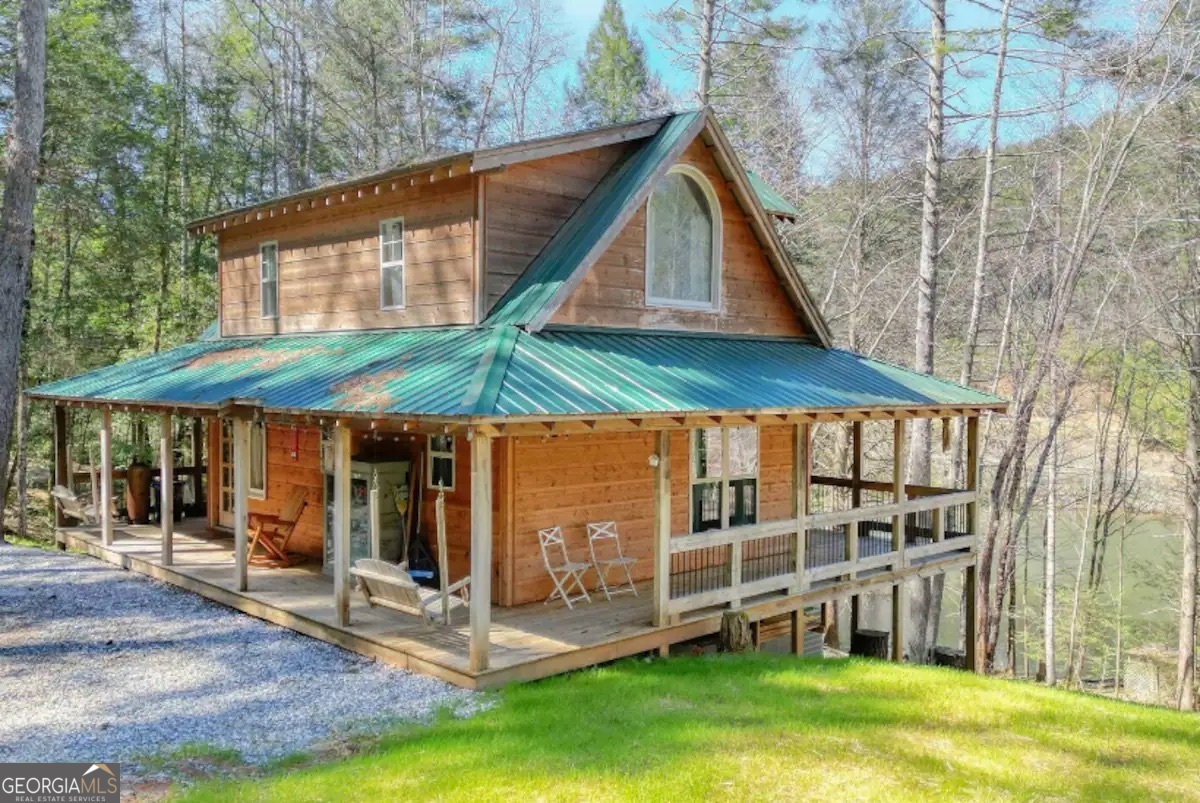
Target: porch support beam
(974, 649)
(241, 501)
(481, 551)
(801, 478)
(341, 525)
(972, 622)
(662, 529)
(899, 469)
(166, 485)
(106, 477)
(198, 438)
(62, 461)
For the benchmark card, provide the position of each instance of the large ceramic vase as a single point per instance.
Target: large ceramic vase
(137, 492)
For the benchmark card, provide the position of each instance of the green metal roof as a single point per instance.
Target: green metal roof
(617, 192)
(771, 200)
(507, 371)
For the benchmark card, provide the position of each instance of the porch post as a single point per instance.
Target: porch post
(899, 467)
(106, 478)
(856, 451)
(971, 615)
(662, 529)
(800, 487)
(341, 525)
(481, 551)
(198, 438)
(62, 463)
(241, 497)
(166, 486)
(974, 650)
(899, 494)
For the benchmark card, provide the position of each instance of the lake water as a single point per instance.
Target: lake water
(1150, 592)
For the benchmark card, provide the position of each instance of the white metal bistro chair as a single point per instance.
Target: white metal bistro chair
(567, 574)
(606, 559)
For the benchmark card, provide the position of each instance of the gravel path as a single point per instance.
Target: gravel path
(99, 664)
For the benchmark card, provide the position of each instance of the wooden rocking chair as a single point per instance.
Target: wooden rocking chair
(269, 534)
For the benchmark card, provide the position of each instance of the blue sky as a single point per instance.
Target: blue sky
(968, 90)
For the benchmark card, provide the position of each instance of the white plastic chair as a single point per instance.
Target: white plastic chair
(568, 574)
(598, 533)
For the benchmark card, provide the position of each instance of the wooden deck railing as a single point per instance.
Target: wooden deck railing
(726, 566)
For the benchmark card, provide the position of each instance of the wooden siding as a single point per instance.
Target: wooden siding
(329, 264)
(294, 458)
(753, 301)
(526, 203)
(286, 467)
(458, 514)
(579, 479)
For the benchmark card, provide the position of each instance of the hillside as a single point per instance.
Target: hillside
(765, 727)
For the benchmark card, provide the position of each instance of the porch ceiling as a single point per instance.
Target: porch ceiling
(507, 372)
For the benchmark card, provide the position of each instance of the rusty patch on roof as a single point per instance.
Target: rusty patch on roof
(258, 357)
(368, 391)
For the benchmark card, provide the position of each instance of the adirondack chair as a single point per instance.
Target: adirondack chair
(72, 506)
(269, 534)
(391, 586)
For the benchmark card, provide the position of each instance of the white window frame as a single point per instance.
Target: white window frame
(252, 492)
(714, 209)
(384, 266)
(431, 454)
(262, 279)
(725, 477)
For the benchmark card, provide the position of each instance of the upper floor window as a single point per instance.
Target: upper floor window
(391, 263)
(724, 477)
(683, 242)
(268, 261)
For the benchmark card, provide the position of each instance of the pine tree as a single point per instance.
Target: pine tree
(615, 84)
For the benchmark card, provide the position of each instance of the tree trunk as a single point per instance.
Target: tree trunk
(918, 463)
(20, 169)
(708, 13)
(1049, 567)
(22, 458)
(1185, 693)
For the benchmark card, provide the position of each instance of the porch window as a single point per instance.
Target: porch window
(724, 477)
(391, 263)
(683, 242)
(441, 462)
(268, 258)
(258, 460)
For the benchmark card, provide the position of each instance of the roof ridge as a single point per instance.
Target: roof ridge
(488, 379)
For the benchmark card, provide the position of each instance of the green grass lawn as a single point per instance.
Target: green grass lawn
(764, 727)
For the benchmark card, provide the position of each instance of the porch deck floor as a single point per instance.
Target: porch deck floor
(526, 642)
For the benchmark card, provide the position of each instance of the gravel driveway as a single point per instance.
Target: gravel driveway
(99, 664)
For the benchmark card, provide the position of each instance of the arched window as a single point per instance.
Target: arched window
(683, 242)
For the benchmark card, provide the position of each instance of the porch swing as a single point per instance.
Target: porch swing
(392, 586)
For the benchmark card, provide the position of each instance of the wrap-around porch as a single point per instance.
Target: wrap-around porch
(856, 535)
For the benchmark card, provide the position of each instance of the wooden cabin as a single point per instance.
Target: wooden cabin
(600, 326)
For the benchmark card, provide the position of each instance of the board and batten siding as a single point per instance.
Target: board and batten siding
(589, 478)
(329, 276)
(753, 301)
(525, 204)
